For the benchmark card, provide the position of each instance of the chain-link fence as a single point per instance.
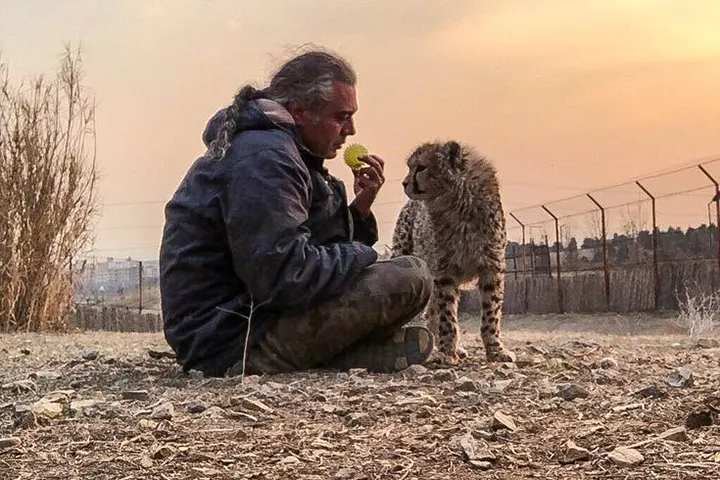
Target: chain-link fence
(119, 283)
(636, 246)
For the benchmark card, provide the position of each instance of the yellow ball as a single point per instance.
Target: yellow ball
(352, 152)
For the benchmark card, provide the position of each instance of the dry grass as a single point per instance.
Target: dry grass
(412, 425)
(47, 193)
(700, 314)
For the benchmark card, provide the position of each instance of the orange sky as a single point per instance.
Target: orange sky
(564, 95)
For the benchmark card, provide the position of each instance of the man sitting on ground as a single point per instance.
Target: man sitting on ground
(264, 267)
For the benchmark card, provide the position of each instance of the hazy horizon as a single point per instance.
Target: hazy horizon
(564, 97)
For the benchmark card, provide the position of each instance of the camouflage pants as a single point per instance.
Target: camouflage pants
(387, 295)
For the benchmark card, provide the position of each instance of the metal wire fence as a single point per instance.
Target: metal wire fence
(640, 245)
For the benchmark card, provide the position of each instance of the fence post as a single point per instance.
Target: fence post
(604, 251)
(522, 228)
(656, 274)
(557, 257)
(140, 286)
(532, 257)
(716, 199)
(524, 264)
(547, 247)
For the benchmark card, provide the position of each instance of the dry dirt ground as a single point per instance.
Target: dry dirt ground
(98, 405)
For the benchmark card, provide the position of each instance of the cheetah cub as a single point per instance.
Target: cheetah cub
(454, 221)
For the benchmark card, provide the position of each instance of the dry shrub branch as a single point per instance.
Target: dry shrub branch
(48, 199)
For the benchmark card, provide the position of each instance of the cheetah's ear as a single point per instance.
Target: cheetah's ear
(453, 152)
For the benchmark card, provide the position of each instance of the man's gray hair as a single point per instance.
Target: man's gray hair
(306, 79)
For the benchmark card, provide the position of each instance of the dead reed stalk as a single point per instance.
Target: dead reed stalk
(48, 182)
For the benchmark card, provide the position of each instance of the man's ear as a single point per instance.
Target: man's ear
(301, 115)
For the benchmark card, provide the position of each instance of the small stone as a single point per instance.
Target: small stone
(465, 384)
(25, 351)
(90, 355)
(9, 442)
(195, 406)
(254, 405)
(626, 457)
(499, 386)
(416, 369)
(608, 362)
(214, 412)
(573, 453)
(651, 392)
(571, 392)
(158, 354)
(475, 451)
(425, 412)
(698, 420)
(83, 406)
(681, 378)
(483, 434)
(707, 343)
(141, 395)
(161, 451)
(59, 396)
(289, 460)
(146, 461)
(358, 420)
(678, 434)
(358, 372)
(47, 409)
(480, 464)
(500, 421)
(344, 474)
(147, 424)
(443, 375)
(164, 411)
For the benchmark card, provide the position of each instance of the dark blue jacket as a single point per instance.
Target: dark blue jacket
(266, 224)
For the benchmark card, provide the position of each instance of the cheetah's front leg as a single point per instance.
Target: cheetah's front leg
(492, 287)
(443, 312)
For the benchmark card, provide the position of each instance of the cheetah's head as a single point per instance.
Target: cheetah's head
(432, 169)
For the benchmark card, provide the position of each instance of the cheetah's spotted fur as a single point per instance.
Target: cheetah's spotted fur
(454, 221)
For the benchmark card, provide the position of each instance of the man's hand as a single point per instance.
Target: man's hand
(368, 181)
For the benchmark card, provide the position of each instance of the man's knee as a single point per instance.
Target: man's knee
(406, 275)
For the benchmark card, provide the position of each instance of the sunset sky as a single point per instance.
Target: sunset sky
(563, 95)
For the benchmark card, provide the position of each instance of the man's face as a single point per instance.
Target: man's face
(324, 132)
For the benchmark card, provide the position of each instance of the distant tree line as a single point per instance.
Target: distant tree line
(623, 249)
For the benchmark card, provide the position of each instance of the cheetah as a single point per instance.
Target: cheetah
(454, 221)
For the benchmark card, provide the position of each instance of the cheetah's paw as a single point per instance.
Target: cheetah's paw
(442, 360)
(501, 355)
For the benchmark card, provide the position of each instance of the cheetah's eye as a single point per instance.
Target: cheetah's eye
(420, 168)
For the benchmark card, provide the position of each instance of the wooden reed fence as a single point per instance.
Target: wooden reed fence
(632, 289)
(115, 319)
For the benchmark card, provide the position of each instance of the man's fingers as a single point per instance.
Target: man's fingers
(375, 163)
(370, 175)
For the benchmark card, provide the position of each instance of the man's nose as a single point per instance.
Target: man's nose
(349, 127)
